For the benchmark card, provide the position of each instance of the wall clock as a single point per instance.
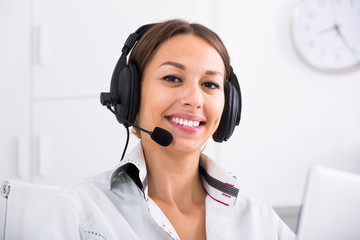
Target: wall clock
(326, 34)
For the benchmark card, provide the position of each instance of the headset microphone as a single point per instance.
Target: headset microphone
(159, 135)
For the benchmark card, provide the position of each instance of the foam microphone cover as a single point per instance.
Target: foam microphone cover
(161, 136)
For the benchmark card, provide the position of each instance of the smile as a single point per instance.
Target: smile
(184, 122)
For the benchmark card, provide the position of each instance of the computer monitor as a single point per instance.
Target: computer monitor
(331, 206)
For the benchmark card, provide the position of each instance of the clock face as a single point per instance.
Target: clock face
(326, 34)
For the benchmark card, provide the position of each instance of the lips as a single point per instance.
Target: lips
(185, 122)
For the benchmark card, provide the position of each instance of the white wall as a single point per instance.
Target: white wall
(293, 116)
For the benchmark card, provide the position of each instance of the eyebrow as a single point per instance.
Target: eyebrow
(211, 72)
(174, 64)
(182, 67)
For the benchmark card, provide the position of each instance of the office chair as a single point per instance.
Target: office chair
(22, 207)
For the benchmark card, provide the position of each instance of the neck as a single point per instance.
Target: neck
(173, 178)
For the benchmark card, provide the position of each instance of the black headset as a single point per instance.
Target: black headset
(124, 93)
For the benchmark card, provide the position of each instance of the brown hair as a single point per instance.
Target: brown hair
(148, 44)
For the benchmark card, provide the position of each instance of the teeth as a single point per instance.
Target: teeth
(185, 123)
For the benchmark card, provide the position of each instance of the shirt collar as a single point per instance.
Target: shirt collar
(219, 184)
(135, 157)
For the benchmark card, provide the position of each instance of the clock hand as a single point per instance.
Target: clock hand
(333, 12)
(341, 36)
(330, 29)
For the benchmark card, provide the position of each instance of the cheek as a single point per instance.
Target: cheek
(152, 102)
(220, 108)
(216, 108)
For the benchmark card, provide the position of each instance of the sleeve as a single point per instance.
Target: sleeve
(62, 221)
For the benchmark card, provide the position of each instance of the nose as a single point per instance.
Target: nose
(192, 96)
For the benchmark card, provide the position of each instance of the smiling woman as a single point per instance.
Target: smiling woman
(178, 74)
(182, 82)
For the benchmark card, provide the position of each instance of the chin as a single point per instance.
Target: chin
(186, 145)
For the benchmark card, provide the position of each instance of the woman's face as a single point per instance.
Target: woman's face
(182, 91)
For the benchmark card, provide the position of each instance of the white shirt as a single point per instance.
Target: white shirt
(116, 205)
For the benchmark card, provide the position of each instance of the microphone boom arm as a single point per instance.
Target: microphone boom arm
(129, 123)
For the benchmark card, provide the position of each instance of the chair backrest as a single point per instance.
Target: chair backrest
(22, 206)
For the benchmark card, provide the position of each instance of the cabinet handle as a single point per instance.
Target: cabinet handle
(21, 159)
(38, 171)
(36, 45)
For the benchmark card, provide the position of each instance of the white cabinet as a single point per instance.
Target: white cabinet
(74, 139)
(14, 89)
(78, 42)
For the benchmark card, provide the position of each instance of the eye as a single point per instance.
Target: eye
(211, 85)
(172, 78)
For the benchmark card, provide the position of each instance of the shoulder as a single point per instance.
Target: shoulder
(94, 190)
(253, 209)
(86, 186)
(255, 216)
(251, 204)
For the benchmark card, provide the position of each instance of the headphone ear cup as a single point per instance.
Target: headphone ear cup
(219, 134)
(229, 116)
(134, 102)
(128, 92)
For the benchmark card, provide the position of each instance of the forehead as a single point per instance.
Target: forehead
(189, 49)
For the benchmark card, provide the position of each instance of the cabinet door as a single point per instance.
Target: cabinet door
(74, 139)
(14, 89)
(79, 42)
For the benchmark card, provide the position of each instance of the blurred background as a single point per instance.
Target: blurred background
(57, 56)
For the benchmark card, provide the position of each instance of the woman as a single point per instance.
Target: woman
(176, 191)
